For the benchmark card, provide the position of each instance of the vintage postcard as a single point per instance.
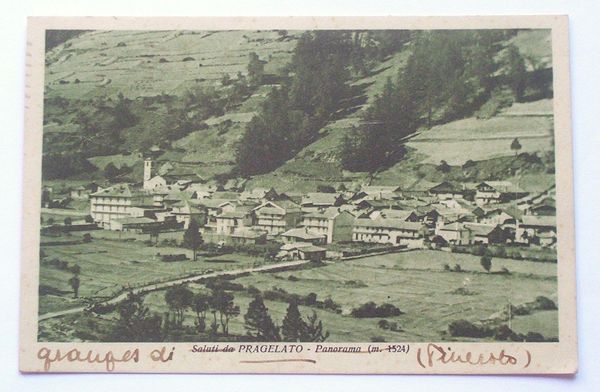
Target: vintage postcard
(373, 195)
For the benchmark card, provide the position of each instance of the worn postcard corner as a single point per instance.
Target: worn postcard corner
(379, 195)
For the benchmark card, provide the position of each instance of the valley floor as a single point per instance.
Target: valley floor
(415, 282)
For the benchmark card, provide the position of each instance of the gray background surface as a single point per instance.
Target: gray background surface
(585, 30)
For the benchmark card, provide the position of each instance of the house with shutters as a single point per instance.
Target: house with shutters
(213, 208)
(303, 235)
(406, 215)
(469, 233)
(321, 200)
(336, 225)
(187, 210)
(247, 235)
(537, 230)
(227, 222)
(454, 233)
(260, 195)
(491, 192)
(388, 231)
(120, 201)
(446, 190)
(480, 233)
(277, 217)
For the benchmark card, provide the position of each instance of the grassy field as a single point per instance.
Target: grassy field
(478, 139)
(413, 281)
(139, 63)
(109, 265)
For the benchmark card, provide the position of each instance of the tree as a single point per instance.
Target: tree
(255, 68)
(135, 324)
(443, 167)
(110, 171)
(68, 221)
(225, 80)
(154, 233)
(486, 263)
(74, 283)
(516, 72)
(45, 197)
(314, 330)
(222, 301)
(259, 324)
(192, 238)
(123, 116)
(293, 328)
(515, 146)
(179, 298)
(87, 237)
(200, 304)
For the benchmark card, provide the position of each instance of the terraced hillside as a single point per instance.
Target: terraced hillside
(149, 63)
(153, 64)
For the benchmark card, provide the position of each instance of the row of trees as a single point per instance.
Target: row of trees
(294, 328)
(219, 303)
(292, 114)
(216, 308)
(448, 75)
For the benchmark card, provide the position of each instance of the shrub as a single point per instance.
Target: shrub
(520, 310)
(188, 58)
(469, 163)
(443, 167)
(253, 291)
(545, 303)
(102, 309)
(463, 291)
(516, 255)
(534, 337)
(486, 263)
(466, 328)
(377, 339)
(383, 324)
(478, 250)
(163, 60)
(220, 284)
(499, 251)
(504, 333)
(458, 268)
(311, 299)
(447, 267)
(370, 309)
(172, 258)
(292, 278)
(355, 283)
(330, 304)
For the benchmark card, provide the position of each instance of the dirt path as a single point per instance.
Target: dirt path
(175, 282)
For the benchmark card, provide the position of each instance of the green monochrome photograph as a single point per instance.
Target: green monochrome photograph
(374, 185)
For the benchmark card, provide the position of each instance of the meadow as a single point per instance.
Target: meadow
(110, 264)
(416, 283)
(531, 123)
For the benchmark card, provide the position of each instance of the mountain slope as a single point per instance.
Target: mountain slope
(145, 66)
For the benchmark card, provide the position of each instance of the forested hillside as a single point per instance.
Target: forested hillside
(289, 108)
